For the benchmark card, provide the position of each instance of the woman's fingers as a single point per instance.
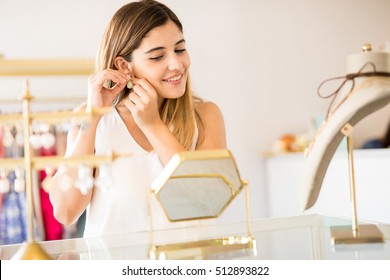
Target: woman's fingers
(98, 81)
(102, 94)
(144, 85)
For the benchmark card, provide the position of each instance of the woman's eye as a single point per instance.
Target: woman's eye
(156, 57)
(159, 57)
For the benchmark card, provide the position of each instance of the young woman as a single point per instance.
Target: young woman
(142, 70)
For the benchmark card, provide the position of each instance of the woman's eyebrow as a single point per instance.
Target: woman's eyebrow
(162, 48)
(180, 41)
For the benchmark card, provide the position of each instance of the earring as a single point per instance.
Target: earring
(5, 186)
(130, 84)
(19, 182)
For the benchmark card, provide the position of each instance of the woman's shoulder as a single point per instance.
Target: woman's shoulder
(206, 108)
(212, 133)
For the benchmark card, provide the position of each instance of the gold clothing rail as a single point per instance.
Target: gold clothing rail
(46, 67)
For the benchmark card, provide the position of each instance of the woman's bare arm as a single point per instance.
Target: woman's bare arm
(69, 204)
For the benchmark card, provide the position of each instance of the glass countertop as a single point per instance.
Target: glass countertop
(303, 237)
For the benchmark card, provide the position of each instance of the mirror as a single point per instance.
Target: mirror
(198, 185)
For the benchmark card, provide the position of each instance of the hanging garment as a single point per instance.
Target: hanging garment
(13, 218)
(1, 156)
(13, 214)
(53, 229)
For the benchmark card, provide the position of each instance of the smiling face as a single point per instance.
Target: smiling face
(162, 59)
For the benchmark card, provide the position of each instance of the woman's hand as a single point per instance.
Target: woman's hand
(100, 96)
(143, 104)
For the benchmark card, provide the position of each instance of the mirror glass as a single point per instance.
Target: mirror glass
(198, 185)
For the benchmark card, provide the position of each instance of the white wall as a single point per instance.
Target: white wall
(372, 179)
(260, 61)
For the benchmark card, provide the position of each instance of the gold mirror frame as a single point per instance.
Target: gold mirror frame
(197, 185)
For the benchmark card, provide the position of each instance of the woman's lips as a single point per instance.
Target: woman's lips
(174, 79)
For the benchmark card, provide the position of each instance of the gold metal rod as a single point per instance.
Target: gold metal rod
(47, 116)
(10, 118)
(248, 208)
(27, 164)
(11, 162)
(150, 215)
(46, 67)
(364, 233)
(42, 162)
(53, 117)
(355, 226)
(9, 101)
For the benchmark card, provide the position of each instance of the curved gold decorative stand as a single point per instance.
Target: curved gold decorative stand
(369, 75)
(366, 233)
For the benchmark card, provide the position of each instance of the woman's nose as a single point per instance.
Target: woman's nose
(174, 62)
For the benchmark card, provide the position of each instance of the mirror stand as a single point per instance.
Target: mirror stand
(367, 233)
(183, 179)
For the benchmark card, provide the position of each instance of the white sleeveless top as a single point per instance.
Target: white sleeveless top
(123, 208)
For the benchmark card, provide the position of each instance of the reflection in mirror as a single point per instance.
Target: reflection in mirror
(198, 185)
(186, 198)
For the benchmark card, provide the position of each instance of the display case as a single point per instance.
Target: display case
(305, 237)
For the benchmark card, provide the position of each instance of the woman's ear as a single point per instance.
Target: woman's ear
(122, 65)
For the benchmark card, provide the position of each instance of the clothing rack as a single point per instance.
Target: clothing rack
(45, 67)
(26, 68)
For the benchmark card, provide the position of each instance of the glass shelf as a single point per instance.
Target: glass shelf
(303, 237)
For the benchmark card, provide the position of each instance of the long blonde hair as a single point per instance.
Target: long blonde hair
(129, 25)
